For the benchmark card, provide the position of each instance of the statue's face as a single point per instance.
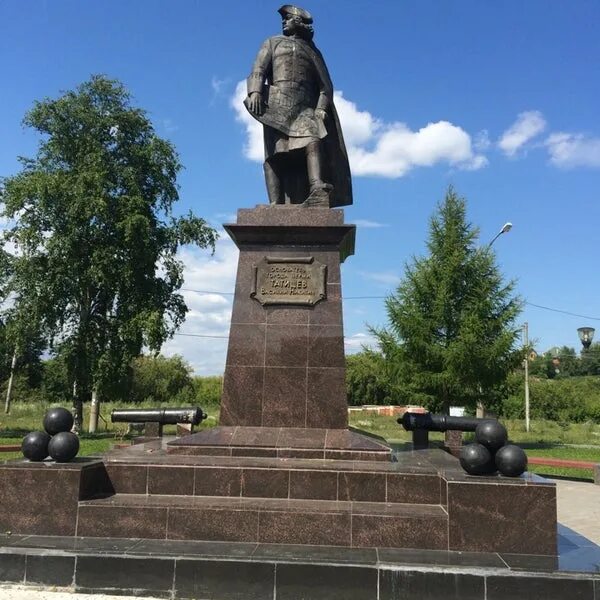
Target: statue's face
(291, 24)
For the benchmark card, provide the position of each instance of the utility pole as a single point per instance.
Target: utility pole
(13, 364)
(526, 364)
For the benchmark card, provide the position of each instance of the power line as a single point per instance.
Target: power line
(564, 312)
(557, 310)
(201, 335)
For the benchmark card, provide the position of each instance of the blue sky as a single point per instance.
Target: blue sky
(498, 99)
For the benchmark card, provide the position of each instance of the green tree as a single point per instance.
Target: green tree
(207, 390)
(569, 364)
(158, 379)
(542, 366)
(95, 234)
(590, 360)
(367, 381)
(451, 331)
(563, 362)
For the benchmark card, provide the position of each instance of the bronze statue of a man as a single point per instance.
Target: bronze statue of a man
(291, 94)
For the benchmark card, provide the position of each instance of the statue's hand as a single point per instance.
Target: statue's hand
(255, 103)
(321, 114)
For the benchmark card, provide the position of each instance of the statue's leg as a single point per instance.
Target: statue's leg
(314, 165)
(273, 184)
(320, 191)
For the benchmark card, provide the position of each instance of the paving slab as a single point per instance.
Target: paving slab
(21, 593)
(579, 507)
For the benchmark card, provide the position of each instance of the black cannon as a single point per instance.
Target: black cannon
(429, 422)
(154, 418)
(422, 423)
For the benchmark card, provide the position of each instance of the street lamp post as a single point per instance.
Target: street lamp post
(480, 411)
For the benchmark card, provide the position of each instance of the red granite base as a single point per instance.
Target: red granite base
(282, 442)
(421, 500)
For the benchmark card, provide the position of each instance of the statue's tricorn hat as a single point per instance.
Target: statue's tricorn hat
(289, 9)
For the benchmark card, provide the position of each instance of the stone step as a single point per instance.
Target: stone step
(283, 442)
(265, 520)
(250, 571)
(311, 480)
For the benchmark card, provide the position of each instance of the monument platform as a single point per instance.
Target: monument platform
(282, 499)
(143, 520)
(423, 500)
(283, 442)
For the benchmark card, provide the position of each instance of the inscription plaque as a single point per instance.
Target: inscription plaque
(298, 280)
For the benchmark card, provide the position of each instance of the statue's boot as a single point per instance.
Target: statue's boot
(319, 190)
(273, 184)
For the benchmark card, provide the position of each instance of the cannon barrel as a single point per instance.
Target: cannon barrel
(430, 422)
(163, 416)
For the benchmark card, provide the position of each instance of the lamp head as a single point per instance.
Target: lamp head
(586, 335)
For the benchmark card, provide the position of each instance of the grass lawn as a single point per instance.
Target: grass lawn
(577, 441)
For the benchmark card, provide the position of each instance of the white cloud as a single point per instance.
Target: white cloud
(369, 224)
(391, 150)
(356, 342)
(569, 150)
(482, 142)
(217, 84)
(376, 148)
(225, 217)
(253, 148)
(209, 312)
(359, 127)
(528, 125)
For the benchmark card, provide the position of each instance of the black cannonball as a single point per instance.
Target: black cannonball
(491, 434)
(511, 460)
(476, 459)
(57, 420)
(35, 445)
(64, 446)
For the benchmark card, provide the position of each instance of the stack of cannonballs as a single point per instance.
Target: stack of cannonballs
(491, 452)
(56, 441)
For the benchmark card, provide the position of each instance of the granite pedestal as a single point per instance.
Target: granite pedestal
(285, 362)
(284, 391)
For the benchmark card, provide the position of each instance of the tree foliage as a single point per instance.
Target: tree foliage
(152, 380)
(94, 234)
(367, 381)
(158, 379)
(563, 362)
(566, 400)
(451, 335)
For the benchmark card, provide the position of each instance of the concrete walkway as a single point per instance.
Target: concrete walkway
(21, 593)
(579, 508)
